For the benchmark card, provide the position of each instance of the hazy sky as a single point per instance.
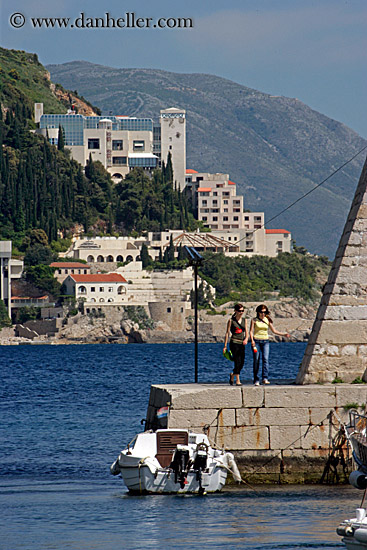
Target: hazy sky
(313, 50)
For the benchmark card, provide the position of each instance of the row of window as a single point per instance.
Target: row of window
(215, 218)
(117, 144)
(83, 290)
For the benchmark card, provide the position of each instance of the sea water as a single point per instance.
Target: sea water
(67, 411)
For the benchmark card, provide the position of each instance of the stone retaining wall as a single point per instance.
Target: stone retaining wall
(277, 433)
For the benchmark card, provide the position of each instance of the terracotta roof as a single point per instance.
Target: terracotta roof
(204, 189)
(99, 278)
(191, 171)
(274, 231)
(231, 182)
(69, 265)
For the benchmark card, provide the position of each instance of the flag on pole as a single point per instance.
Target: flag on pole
(162, 412)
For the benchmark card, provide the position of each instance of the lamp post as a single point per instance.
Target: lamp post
(195, 259)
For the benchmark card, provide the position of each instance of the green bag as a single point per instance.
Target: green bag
(228, 355)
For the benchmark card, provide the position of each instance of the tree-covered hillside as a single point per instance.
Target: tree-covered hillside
(42, 187)
(246, 279)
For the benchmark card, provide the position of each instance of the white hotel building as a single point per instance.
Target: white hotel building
(121, 143)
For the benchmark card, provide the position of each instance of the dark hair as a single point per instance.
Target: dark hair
(237, 307)
(267, 312)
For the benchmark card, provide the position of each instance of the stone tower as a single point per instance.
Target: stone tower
(337, 347)
(173, 140)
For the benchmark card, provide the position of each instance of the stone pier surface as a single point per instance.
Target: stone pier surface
(277, 433)
(337, 347)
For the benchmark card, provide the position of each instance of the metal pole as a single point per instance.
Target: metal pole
(196, 322)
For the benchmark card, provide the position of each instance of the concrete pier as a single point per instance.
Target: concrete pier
(278, 433)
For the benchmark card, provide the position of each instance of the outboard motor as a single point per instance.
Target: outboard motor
(180, 464)
(200, 461)
(358, 480)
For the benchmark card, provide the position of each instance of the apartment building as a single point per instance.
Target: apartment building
(120, 143)
(10, 269)
(101, 288)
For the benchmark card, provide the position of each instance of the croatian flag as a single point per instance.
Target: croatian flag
(162, 412)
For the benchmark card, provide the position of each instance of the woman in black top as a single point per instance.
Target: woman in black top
(238, 340)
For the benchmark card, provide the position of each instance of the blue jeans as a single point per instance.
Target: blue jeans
(263, 348)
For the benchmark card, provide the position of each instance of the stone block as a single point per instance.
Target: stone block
(282, 437)
(273, 416)
(362, 212)
(350, 393)
(343, 332)
(332, 350)
(241, 438)
(316, 437)
(334, 313)
(294, 396)
(320, 414)
(253, 396)
(355, 313)
(349, 350)
(201, 396)
(200, 418)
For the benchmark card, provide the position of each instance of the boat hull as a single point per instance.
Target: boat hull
(162, 481)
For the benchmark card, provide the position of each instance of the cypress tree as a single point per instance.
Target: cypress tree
(60, 139)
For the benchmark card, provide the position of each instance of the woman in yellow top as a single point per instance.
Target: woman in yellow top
(238, 341)
(259, 334)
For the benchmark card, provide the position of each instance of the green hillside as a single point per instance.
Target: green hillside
(22, 77)
(42, 187)
(275, 148)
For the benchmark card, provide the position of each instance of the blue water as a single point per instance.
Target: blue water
(66, 411)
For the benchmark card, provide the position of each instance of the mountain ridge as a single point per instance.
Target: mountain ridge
(275, 148)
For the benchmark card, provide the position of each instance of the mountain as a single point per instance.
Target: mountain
(275, 148)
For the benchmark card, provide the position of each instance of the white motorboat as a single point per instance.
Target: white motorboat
(354, 530)
(173, 461)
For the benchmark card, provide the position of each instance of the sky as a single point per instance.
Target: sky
(314, 50)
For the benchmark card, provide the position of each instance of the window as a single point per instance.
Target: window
(280, 244)
(93, 289)
(138, 145)
(215, 218)
(204, 203)
(225, 202)
(101, 289)
(225, 218)
(215, 202)
(117, 145)
(119, 160)
(110, 289)
(215, 194)
(235, 218)
(168, 310)
(205, 218)
(247, 218)
(93, 143)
